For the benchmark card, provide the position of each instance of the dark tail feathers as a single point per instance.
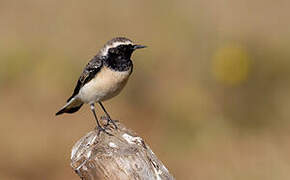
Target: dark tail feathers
(72, 106)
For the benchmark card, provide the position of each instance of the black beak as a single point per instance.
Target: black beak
(138, 46)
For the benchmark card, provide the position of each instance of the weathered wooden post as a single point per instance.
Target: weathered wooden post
(122, 156)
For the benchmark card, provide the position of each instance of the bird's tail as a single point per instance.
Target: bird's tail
(73, 105)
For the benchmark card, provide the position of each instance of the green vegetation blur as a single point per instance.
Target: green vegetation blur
(210, 94)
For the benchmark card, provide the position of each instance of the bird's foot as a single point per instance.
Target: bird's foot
(100, 129)
(109, 120)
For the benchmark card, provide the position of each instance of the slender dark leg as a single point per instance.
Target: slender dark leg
(108, 116)
(98, 123)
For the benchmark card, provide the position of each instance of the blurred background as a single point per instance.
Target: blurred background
(210, 94)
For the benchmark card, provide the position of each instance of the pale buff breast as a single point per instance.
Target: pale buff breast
(107, 84)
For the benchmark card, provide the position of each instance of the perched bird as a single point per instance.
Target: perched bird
(104, 77)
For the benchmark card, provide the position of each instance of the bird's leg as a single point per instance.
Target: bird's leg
(108, 118)
(98, 123)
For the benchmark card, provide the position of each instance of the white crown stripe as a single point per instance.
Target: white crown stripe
(104, 51)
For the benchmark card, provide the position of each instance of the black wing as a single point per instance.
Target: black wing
(90, 71)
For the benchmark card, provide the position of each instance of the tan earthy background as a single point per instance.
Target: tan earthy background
(210, 94)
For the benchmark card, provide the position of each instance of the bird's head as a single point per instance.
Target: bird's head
(120, 47)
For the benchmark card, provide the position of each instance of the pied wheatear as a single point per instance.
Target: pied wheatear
(104, 77)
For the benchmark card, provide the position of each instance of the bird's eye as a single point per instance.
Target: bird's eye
(121, 47)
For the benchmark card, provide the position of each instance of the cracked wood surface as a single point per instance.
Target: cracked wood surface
(122, 156)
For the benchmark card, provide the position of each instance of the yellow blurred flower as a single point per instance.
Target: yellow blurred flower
(231, 65)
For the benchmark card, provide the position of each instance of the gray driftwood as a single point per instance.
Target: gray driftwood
(124, 155)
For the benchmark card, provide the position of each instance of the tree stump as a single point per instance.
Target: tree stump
(123, 155)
